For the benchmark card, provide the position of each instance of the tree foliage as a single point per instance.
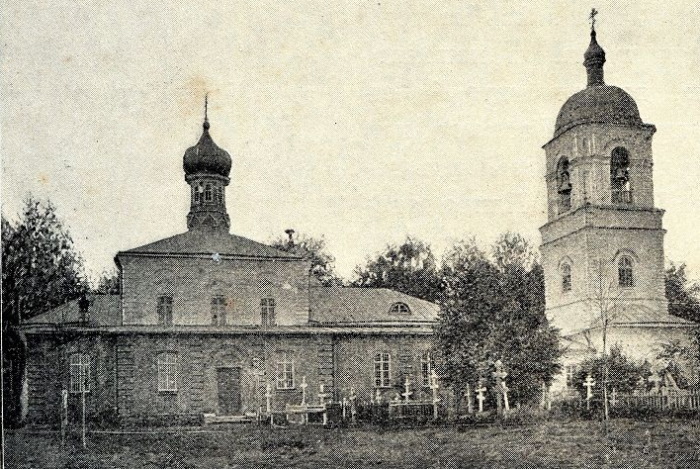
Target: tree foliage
(40, 270)
(315, 250)
(493, 309)
(624, 374)
(683, 295)
(408, 267)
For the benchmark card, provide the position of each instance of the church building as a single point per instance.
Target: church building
(208, 322)
(603, 244)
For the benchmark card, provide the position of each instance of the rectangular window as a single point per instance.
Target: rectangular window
(167, 372)
(267, 311)
(285, 370)
(218, 311)
(165, 310)
(79, 373)
(426, 369)
(382, 370)
(207, 193)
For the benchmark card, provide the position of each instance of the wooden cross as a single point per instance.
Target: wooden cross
(353, 409)
(407, 393)
(303, 387)
(434, 386)
(480, 390)
(589, 383)
(322, 395)
(592, 16)
(268, 397)
(504, 390)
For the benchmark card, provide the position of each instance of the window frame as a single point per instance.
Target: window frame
(382, 370)
(164, 310)
(218, 310)
(168, 372)
(268, 316)
(399, 308)
(285, 371)
(208, 193)
(566, 278)
(625, 273)
(79, 373)
(426, 369)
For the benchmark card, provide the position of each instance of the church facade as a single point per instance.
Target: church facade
(603, 244)
(208, 322)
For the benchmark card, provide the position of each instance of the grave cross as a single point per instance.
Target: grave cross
(322, 395)
(480, 390)
(407, 393)
(468, 394)
(268, 398)
(589, 383)
(303, 387)
(353, 409)
(434, 386)
(501, 388)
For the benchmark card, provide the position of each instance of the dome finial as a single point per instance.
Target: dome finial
(594, 12)
(594, 57)
(206, 106)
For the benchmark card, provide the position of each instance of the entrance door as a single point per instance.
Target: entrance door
(228, 382)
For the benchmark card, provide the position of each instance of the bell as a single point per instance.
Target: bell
(620, 174)
(565, 187)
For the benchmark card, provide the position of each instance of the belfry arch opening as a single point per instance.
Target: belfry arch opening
(621, 191)
(564, 184)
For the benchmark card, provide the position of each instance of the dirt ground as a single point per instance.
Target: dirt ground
(671, 443)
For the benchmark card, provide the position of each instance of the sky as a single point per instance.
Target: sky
(362, 122)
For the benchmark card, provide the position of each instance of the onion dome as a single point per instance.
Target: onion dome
(206, 156)
(598, 103)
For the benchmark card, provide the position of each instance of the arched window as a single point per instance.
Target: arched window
(621, 192)
(566, 277)
(625, 272)
(399, 308)
(564, 185)
(208, 193)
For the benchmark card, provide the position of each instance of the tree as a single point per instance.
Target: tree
(409, 267)
(313, 249)
(623, 374)
(107, 284)
(41, 270)
(494, 310)
(683, 295)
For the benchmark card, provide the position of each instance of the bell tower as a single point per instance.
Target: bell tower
(207, 168)
(604, 238)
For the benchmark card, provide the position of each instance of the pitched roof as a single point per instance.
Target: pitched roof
(104, 311)
(338, 305)
(202, 242)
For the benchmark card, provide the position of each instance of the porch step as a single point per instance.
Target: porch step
(210, 419)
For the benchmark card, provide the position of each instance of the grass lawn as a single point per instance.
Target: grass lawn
(665, 443)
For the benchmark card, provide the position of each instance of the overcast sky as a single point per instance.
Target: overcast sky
(360, 121)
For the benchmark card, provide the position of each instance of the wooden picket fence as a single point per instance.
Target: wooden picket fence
(686, 401)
